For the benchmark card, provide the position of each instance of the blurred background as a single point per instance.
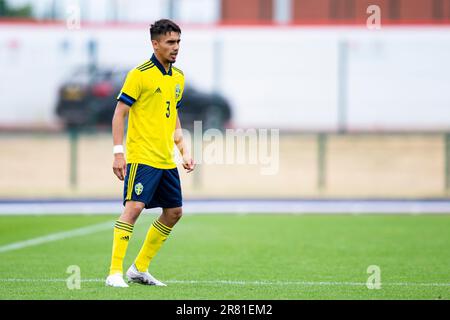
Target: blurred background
(362, 104)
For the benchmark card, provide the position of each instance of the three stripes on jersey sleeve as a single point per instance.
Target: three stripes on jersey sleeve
(146, 66)
(178, 70)
(149, 64)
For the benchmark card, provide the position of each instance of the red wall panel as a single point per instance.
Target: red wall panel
(446, 9)
(247, 10)
(416, 10)
(338, 11)
(441, 9)
(310, 10)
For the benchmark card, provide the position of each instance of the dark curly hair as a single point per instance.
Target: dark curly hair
(161, 27)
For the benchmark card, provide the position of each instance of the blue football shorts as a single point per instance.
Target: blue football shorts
(152, 186)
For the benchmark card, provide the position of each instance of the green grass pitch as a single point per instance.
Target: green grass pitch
(238, 257)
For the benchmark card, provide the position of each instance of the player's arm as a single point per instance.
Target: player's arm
(118, 126)
(188, 162)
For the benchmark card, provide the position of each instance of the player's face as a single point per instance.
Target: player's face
(167, 46)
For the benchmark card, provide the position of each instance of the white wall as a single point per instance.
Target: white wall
(398, 78)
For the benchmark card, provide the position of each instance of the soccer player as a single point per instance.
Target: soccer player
(151, 97)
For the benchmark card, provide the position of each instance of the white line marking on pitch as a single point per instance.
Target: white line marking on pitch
(57, 236)
(262, 283)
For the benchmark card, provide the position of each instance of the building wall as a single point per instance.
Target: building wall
(349, 11)
(238, 11)
(287, 77)
(250, 10)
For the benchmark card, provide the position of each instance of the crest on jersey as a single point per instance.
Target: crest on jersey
(177, 91)
(138, 188)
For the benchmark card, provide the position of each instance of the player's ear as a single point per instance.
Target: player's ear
(155, 44)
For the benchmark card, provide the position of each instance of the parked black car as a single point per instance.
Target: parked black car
(88, 99)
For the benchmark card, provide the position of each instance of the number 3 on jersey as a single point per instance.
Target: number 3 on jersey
(168, 109)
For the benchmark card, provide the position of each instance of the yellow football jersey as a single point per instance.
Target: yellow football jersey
(154, 97)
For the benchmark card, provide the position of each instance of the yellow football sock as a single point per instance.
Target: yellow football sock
(156, 235)
(122, 235)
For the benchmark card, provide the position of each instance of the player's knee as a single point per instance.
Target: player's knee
(137, 207)
(133, 208)
(176, 214)
(179, 213)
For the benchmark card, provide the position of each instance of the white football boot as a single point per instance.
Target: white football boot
(116, 280)
(134, 275)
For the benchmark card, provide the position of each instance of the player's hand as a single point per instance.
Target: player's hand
(188, 164)
(120, 166)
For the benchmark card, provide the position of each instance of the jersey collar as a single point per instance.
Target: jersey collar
(160, 66)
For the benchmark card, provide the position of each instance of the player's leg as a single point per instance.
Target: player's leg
(157, 234)
(123, 229)
(170, 216)
(168, 196)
